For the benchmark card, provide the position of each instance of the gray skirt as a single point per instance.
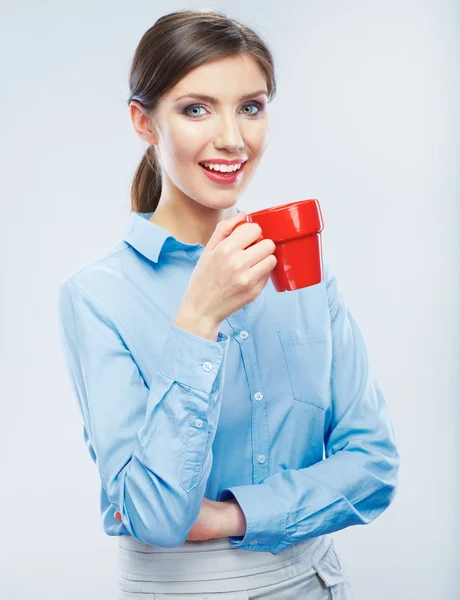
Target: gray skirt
(214, 570)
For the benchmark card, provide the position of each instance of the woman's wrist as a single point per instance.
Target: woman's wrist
(233, 521)
(202, 327)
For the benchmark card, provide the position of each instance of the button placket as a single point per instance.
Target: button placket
(260, 442)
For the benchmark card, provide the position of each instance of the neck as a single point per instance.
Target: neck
(188, 220)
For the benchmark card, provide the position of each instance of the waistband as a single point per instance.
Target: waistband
(188, 567)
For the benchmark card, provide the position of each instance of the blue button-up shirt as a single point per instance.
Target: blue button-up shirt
(282, 411)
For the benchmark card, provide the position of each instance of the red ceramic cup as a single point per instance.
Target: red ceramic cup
(296, 230)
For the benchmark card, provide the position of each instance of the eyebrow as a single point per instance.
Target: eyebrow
(215, 101)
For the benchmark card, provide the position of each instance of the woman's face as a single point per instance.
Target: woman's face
(188, 130)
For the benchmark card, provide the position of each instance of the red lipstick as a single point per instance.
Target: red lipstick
(219, 177)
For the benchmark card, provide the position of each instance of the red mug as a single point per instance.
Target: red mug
(296, 230)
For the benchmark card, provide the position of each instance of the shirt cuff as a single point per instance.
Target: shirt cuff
(192, 360)
(265, 518)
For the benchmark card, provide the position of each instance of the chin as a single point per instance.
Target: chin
(226, 201)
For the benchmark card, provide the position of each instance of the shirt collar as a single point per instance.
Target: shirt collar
(150, 239)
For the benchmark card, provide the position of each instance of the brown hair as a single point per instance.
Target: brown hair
(176, 44)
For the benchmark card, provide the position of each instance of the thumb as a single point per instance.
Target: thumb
(224, 229)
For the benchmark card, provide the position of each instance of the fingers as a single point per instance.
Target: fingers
(257, 251)
(261, 270)
(224, 229)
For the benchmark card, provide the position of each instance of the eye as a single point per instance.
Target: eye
(187, 109)
(196, 106)
(258, 105)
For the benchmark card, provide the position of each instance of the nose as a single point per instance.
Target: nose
(228, 135)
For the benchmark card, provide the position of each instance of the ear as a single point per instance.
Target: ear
(142, 122)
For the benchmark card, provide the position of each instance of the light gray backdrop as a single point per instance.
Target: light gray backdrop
(366, 120)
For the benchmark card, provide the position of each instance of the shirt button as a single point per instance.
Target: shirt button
(198, 423)
(207, 366)
(254, 542)
(243, 334)
(261, 458)
(258, 396)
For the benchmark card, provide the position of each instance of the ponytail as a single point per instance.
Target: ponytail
(146, 185)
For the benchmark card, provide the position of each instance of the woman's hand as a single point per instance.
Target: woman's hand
(215, 519)
(232, 271)
(209, 522)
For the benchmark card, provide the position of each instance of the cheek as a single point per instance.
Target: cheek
(256, 136)
(182, 145)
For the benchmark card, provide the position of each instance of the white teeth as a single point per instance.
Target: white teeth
(222, 168)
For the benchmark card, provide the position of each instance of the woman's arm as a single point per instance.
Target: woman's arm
(356, 481)
(152, 442)
(215, 520)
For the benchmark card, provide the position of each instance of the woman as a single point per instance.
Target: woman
(207, 397)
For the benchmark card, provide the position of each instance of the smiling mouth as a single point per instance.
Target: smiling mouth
(232, 172)
(220, 177)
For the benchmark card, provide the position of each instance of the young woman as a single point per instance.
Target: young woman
(234, 428)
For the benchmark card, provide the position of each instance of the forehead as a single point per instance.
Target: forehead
(226, 78)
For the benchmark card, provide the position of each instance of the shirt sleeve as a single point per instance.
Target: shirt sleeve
(358, 478)
(152, 440)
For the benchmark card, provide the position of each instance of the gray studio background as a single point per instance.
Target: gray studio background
(366, 120)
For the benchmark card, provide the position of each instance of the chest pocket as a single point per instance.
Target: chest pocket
(308, 355)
